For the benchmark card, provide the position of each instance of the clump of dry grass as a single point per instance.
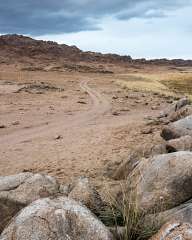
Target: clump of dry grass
(126, 213)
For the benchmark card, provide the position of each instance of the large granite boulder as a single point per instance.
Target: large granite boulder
(17, 191)
(56, 219)
(162, 182)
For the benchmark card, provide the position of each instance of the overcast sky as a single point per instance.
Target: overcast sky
(140, 28)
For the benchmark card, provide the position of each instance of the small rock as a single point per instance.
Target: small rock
(115, 97)
(58, 137)
(82, 102)
(15, 123)
(115, 113)
(154, 108)
(125, 110)
(147, 131)
(2, 126)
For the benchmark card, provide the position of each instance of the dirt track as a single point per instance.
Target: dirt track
(70, 133)
(99, 106)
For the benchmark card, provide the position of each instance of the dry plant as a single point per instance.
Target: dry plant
(125, 214)
(168, 84)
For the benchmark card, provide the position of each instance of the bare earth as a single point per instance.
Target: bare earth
(77, 126)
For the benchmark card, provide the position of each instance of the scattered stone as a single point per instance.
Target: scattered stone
(115, 97)
(64, 97)
(82, 102)
(115, 113)
(125, 110)
(2, 126)
(147, 131)
(154, 108)
(57, 219)
(58, 137)
(15, 123)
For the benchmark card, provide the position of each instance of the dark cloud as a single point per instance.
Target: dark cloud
(39, 17)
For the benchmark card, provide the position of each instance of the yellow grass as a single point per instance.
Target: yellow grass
(172, 84)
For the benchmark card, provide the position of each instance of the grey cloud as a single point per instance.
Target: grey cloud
(35, 17)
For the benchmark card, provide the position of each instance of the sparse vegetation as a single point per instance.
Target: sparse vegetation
(169, 84)
(126, 214)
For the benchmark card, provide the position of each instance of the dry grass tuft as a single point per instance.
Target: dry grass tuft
(126, 214)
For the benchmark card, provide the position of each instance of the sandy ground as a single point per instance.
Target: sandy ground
(76, 126)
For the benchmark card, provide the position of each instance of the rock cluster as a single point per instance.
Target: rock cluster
(36, 206)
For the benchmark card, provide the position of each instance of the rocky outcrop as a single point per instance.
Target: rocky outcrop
(17, 191)
(164, 181)
(54, 219)
(174, 231)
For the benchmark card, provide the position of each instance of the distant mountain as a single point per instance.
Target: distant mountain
(18, 45)
(21, 49)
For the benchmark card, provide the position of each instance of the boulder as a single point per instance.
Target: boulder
(17, 191)
(181, 103)
(162, 182)
(174, 231)
(56, 219)
(128, 165)
(178, 129)
(181, 113)
(179, 144)
(175, 107)
(84, 192)
(181, 213)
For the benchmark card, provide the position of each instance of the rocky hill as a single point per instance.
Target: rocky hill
(24, 49)
(18, 45)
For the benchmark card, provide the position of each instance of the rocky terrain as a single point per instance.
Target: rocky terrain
(87, 152)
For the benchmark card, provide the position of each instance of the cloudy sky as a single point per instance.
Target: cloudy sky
(140, 28)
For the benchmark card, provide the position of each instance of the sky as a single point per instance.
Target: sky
(140, 28)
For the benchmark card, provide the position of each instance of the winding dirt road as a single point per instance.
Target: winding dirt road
(99, 106)
(36, 148)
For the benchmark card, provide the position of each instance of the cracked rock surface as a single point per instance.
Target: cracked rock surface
(52, 219)
(164, 181)
(174, 231)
